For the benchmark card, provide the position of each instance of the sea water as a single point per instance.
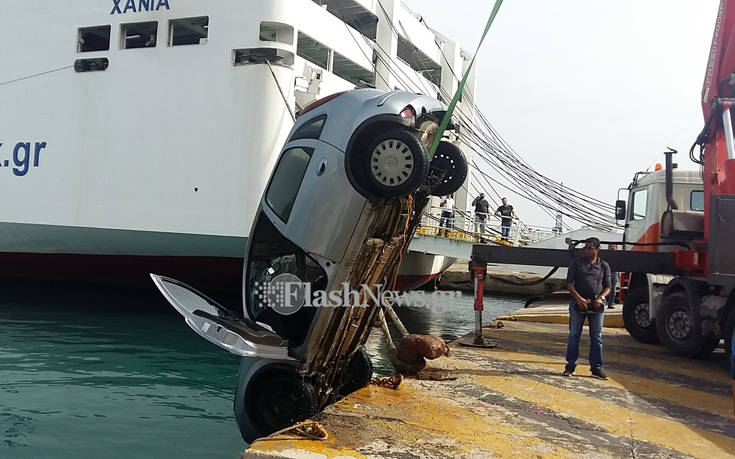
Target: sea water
(89, 371)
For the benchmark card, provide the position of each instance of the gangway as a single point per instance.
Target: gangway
(456, 238)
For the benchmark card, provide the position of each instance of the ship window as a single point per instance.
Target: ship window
(312, 51)
(93, 39)
(356, 16)
(286, 181)
(311, 129)
(696, 200)
(276, 31)
(138, 35)
(91, 65)
(189, 31)
(259, 55)
(639, 200)
(352, 72)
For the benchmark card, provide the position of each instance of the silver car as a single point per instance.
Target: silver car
(344, 198)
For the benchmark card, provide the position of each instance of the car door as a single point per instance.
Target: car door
(219, 325)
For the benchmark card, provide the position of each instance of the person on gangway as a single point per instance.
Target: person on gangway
(506, 214)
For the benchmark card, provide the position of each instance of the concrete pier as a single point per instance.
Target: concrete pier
(513, 401)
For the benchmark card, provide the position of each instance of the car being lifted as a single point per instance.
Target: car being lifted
(342, 202)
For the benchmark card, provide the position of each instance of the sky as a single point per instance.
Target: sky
(587, 91)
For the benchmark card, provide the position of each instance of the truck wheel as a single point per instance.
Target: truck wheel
(275, 399)
(636, 318)
(358, 373)
(450, 162)
(677, 327)
(394, 165)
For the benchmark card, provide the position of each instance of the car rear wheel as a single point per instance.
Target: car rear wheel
(394, 165)
(450, 164)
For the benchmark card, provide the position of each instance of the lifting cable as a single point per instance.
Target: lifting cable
(460, 87)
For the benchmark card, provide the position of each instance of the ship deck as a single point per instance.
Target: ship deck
(513, 401)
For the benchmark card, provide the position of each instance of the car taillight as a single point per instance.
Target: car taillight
(408, 112)
(320, 102)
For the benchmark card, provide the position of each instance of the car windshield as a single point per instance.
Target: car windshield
(271, 254)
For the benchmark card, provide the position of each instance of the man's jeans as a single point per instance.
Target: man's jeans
(445, 221)
(480, 224)
(505, 231)
(576, 321)
(613, 284)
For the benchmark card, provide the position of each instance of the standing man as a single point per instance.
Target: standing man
(588, 280)
(507, 215)
(482, 208)
(447, 207)
(613, 281)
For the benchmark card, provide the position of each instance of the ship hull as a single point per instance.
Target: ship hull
(211, 262)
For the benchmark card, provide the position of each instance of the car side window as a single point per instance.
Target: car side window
(311, 129)
(696, 200)
(286, 181)
(638, 205)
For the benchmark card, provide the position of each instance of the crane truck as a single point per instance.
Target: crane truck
(679, 228)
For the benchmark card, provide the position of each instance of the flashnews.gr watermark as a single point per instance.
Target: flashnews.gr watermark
(287, 294)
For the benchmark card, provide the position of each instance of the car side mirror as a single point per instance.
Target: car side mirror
(619, 210)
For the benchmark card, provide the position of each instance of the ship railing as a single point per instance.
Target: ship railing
(465, 226)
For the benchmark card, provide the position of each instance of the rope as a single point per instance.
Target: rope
(283, 96)
(36, 75)
(396, 321)
(307, 429)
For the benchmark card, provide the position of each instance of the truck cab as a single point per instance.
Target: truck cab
(643, 212)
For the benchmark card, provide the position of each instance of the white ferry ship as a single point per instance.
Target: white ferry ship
(137, 136)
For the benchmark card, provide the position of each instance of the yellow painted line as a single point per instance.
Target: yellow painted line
(683, 396)
(300, 449)
(463, 430)
(611, 320)
(613, 418)
(666, 363)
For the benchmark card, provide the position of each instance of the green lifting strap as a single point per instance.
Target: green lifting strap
(460, 88)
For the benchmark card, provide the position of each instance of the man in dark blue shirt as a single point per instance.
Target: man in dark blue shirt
(588, 280)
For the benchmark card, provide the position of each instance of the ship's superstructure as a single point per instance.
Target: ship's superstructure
(145, 130)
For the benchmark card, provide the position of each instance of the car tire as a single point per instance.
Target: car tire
(636, 318)
(358, 373)
(276, 399)
(451, 163)
(678, 329)
(394, 165)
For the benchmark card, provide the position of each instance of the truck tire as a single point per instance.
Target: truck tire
(636, 318)
(678, 328)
